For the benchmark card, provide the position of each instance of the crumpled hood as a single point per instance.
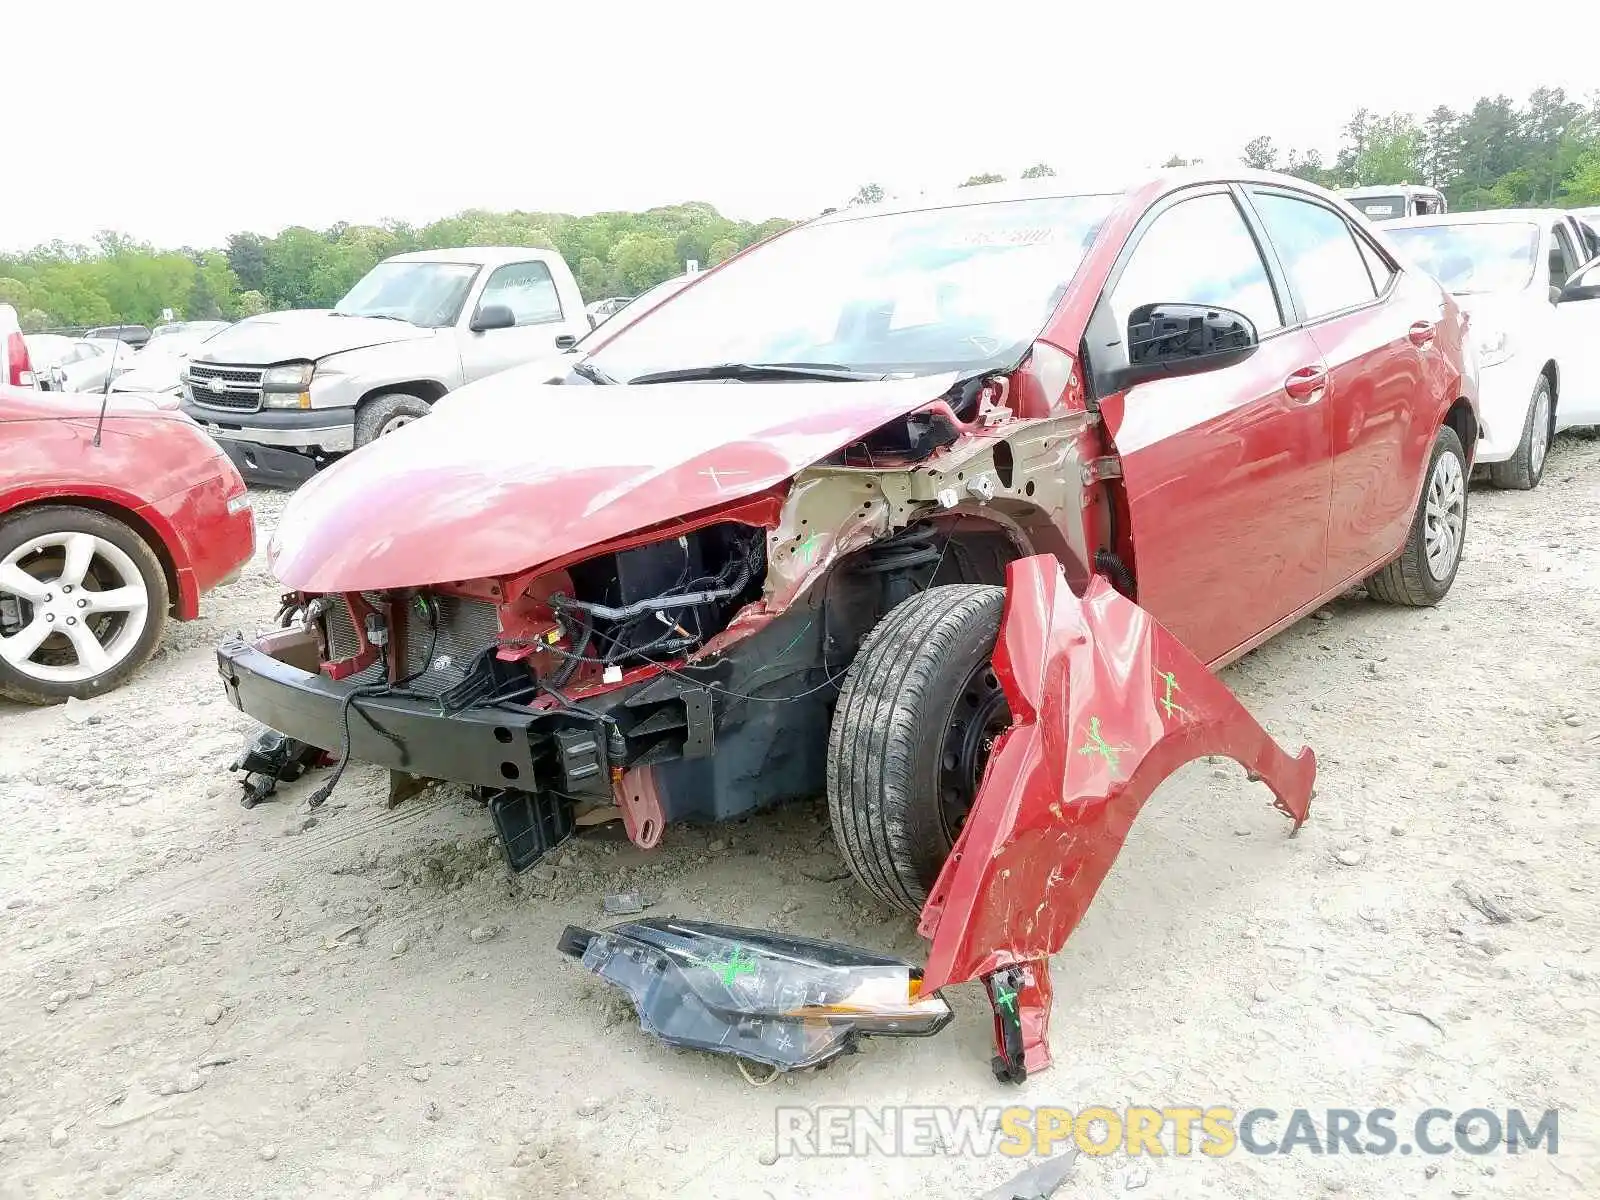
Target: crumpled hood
(518, 475)
(301, 335)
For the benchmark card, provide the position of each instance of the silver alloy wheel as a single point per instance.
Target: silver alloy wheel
(395, 422)
(82, 603)
(1540, 432)
(1444, 515)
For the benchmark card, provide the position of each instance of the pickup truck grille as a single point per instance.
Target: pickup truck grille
(439, 660)
(232, 389)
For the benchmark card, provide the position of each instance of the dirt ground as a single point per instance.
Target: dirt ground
(196, 999)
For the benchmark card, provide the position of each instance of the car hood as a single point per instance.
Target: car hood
(301, 335)
(520, 475)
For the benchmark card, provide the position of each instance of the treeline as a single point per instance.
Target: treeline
(1497, 154)
(120, 279)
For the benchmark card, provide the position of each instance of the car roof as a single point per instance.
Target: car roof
(1486, 216)
(483, 256)
(1125, 185)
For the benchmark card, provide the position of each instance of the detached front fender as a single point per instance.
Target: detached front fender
(1105, 704)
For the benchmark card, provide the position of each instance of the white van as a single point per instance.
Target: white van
(1391, 201)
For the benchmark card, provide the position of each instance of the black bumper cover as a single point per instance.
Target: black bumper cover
(485, 747)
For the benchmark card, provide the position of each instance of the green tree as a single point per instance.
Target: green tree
(251, 304)
(867, 193)
(1176, 161)
(247, 255)
(986, 177)
(642, 260)
(722, 251)
(1039, 171)
(1260, 154)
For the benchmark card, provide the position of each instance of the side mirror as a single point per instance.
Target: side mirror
(1555, 294)
(493, 316)
(1583, 285)
(1167, 341)
(566, 342)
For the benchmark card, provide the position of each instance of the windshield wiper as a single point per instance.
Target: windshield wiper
(380, 316)
(749, 371)
(592, 373)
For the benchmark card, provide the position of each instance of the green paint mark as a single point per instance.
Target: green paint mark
(1098, 745)
(1006, 998)
(1171, 680)
(735, 965)
(807, 550)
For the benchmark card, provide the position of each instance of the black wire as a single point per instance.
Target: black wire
(371, 691)
(708, 685)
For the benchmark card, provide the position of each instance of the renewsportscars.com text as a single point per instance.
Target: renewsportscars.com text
(1217, 1131)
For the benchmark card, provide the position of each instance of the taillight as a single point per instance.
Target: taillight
(19, 369)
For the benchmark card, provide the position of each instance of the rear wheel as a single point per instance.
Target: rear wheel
(1427, 566)
(384, 414)
(1523, 470)
(919, 711)
(83, 601)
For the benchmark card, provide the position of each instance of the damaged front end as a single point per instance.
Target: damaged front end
(686, 667)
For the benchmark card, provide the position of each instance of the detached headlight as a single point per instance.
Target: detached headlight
(295, 377)
(1494, 346)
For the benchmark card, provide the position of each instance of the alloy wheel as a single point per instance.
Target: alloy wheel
(72, 607)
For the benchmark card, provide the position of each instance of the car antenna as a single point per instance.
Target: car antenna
(105, 391)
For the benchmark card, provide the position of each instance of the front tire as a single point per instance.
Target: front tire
(918, 712)
(1523, 470)
(83, 602)
(383, 414)
(1427, 566)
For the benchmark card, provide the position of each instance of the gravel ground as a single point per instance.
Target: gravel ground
(196, 999)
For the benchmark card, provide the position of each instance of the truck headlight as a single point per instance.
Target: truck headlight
(294, 377)
(285, 399)
(1494, 346)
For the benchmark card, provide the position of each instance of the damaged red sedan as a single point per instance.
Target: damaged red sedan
(945, 509)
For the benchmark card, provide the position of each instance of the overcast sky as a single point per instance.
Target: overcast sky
(181, 122)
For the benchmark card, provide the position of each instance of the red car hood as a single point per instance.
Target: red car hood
(513, 476)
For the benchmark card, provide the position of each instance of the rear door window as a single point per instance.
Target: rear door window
(1319, 253)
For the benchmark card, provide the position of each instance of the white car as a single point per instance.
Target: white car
(73, 364)
(1532, 291)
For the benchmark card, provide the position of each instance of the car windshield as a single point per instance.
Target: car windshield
(916, 292)
(424, 293)
(1473, 258)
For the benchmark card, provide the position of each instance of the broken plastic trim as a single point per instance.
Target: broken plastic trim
(787, 1002)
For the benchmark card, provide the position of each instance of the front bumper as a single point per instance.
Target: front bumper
(1504, 392)
(484, 747)
(309, 431)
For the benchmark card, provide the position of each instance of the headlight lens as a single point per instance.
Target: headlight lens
(285, 399)
(295, 377)
(1494, 346)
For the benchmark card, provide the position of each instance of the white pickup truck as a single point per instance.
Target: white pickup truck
(285, 392)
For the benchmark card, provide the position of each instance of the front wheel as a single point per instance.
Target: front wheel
(1523, 470)
(383, 414)
(1427, 566)
(83, 601)
(920, 708)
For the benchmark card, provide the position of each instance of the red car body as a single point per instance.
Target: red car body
(154, 470)
(1176, 524)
